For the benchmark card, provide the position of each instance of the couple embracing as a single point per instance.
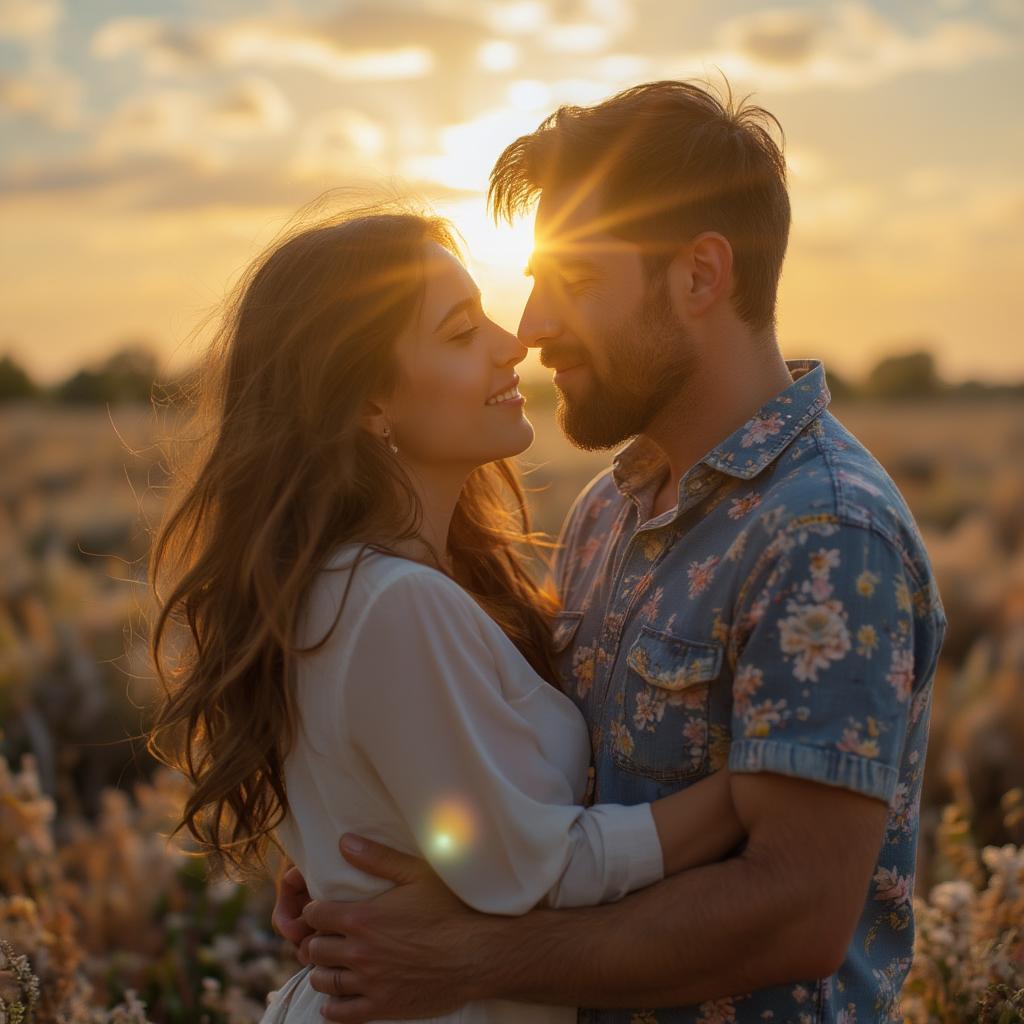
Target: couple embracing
(681, 784)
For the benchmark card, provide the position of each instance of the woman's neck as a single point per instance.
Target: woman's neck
(438, 493)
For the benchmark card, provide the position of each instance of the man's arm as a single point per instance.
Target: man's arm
(782, 910)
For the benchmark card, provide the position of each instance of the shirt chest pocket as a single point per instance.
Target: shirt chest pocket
(661, 728)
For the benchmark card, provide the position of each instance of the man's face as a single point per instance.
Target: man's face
(610, 333)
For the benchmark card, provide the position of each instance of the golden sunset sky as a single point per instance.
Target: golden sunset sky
(150, 149)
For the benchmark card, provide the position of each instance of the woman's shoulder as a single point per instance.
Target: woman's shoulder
(368, 574)
(376, 568)
(358, 584)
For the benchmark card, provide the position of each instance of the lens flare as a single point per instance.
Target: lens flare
(451, 828)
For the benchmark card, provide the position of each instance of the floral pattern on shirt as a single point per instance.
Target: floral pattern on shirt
(783, 617)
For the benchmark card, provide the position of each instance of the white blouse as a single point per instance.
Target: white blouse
(423, 727)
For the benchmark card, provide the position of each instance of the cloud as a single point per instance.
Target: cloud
(193, 127)
(339, 49)
(466, 151)
(575, 27)
(28, 19)
(338, 144)
(784, 37)
(518, 17)
(262, 48)
(589, 26)
(250, 108)
(163, 48)
(850, 45)
(41, 95)
(806, 166)
(382, 27)
(498, 55)
(147, 181)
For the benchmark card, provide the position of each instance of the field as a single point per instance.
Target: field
(100, 905)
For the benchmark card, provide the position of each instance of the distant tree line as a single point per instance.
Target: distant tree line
(128, 375)
(914, 375)
(132, 372)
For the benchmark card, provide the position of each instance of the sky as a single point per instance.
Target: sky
(151, 149)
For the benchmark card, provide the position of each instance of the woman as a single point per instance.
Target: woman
(363, 648)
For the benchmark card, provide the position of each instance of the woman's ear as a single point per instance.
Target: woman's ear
(700, 274)
(373, 418)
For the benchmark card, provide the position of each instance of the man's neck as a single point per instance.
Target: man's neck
(717, 402)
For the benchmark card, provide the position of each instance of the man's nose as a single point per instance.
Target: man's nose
(537, 325)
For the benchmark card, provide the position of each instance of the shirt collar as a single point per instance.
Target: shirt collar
(748, 450)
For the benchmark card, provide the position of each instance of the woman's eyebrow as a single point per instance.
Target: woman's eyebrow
(462, 306)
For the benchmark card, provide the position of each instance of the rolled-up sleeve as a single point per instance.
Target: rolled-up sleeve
(490, 813)
(832, 663)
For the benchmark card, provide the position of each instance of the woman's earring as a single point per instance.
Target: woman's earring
(387, 440)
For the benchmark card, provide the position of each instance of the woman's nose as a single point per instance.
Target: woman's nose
(508, 349)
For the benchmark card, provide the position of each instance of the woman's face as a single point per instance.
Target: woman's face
(456, 404)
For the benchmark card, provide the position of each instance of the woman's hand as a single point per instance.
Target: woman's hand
(286, 920)
(409, 952)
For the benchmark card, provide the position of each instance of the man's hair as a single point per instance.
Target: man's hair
(667, 160)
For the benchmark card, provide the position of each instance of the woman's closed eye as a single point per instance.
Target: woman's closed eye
(466, 335)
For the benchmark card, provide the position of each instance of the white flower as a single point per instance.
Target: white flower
(892, 887)
(952, 897)
(816, 634)
(901, 672)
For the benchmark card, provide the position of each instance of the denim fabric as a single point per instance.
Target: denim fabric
(782, 618)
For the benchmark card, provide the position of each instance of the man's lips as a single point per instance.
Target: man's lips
(561, 361)
(561, 371)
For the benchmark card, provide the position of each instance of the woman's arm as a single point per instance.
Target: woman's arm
(423, 703)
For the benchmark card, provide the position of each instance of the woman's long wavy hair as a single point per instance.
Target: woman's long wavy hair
(285, 474)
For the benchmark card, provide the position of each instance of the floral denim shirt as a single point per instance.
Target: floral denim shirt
(783, 618)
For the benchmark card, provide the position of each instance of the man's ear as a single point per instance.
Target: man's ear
(700, 274)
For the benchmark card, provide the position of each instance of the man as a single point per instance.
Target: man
(745, 585)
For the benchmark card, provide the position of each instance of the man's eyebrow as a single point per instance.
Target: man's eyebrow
(563, 263)
(462, 306)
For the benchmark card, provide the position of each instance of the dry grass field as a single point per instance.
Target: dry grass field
(100, 906)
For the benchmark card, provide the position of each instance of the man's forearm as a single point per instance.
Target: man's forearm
(719, 930)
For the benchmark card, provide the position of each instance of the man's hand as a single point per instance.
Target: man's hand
(292, 896)
(404, 954)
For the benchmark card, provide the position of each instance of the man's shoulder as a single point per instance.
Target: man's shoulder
(828, 480)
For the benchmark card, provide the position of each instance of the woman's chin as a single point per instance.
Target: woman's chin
(518, 442)
(527, 438)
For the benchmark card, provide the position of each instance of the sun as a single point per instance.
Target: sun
(496, 256)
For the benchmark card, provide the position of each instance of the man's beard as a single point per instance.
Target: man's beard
(649, 358)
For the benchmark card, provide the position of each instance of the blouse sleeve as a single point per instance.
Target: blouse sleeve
(495, 819)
